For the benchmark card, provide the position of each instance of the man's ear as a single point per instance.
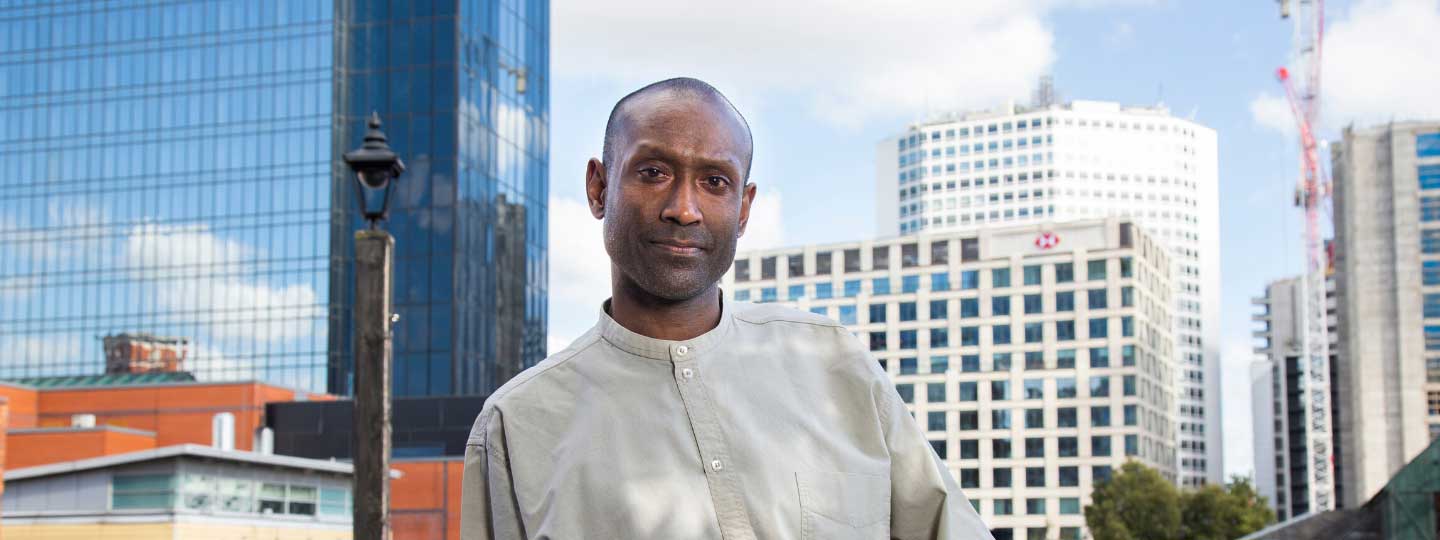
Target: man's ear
(747, 197)
(595, 184)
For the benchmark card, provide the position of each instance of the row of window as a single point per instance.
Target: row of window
(920, 173)
(1065, 388)
(1064, 272)
(1099, 357)
(1063, 330)
(207, 493)
(1032, 304)
(917, 139)
(1065, 417)
(1034, 447)
(1003, 145)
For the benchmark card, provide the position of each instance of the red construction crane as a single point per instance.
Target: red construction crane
(1312, 193)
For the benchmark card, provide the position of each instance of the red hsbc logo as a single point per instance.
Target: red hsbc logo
(1047, 240)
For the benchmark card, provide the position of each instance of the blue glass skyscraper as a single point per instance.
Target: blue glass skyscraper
(173, 170)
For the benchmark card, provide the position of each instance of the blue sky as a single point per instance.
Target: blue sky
(822, 82)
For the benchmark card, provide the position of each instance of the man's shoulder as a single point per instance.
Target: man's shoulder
(766, 314)
(533, 379)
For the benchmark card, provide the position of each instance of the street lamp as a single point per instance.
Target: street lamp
(377, 168)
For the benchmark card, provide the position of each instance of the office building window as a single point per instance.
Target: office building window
(1034, 332)
(1034, 418)
(938, 310)
(1035, 506)
(1000, 419)
(909, 366)
(1429, 176)
(1033, 304)
(847, 315)
(909, 284)
(1430, 241)
(824, 291)
(1127, 269)
(1100, 446)
(795, 265)
(1132, 445)
(877, 313)
(742, 295)
(1004, 507)
(821, 311)
(935, 420)
(767, 268)
(877, 341)
(1000, 278)
(1064, 272)
(880, 258)
(969, 391)
(969, 420)
(1064, 330)
(1100, 416)
(935, 392)
(970, 279)
(1032, 274)
(1099, 357)
(1035, 447)
(940, 281)
(1000, 448)
(1000, 335)
(796, 292)
(908, 311)
(999, 390)
(1034, 360)
(1099, 328)
(1035, 477)
(1065, 417)
(1065, 387)
(939, 364)
(1432, 305)
(1127, 355)
(1065, 359)
(1100, 386)
(1427, 145)
(1430, 208)
(1000, 478)
(880, 286)
(939, 252)
(908, 339)
(1068, 447)
(1128, 385)
(1065, 301)
(939, 337)
(969, 307)
(1034, 388)
(742, 270)
(969, 249)
(969, 336)
(1131, 416)
(852, 260)
(1095, 298)
(822, 262)
(1127, 296)
(969, 478)
(768, 294)
(1000, 361)
(1095, 270)
(1101, 473)
(1000, 306)
(970, 363)
(1069, 506)
(969, 449)
(906, 391)
(909, 255)
(1127, 326)
(939, 447)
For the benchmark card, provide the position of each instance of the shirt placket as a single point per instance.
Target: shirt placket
(720, 474)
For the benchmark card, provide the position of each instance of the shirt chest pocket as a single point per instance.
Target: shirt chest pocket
(843, 506)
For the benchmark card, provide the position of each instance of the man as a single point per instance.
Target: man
(682, 416)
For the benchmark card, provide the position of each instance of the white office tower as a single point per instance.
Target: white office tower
(1281, 412)
(1053, 163)
(1036, 358)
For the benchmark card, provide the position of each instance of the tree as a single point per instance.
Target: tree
(1215, 513)
(1135, 504)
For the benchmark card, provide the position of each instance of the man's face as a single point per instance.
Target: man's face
(675, 200)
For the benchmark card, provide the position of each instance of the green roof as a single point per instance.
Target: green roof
(114, 379)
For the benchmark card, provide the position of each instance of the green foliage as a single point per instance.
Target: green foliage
(1137, 503)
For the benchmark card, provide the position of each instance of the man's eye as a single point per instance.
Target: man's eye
(717, 181)
(650, 172)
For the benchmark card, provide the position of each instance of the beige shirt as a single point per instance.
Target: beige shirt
(776, 424)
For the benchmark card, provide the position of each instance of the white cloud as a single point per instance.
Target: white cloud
(1379, 63)
(1273, 112)
(853, 60)
(766, 228)
(199, 272)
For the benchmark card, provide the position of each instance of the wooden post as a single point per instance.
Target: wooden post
(374, 251)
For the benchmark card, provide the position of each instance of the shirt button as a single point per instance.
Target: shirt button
(687, 373)
(681, 350)
(717, 466)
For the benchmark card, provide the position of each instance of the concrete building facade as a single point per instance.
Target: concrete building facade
(1084, 159)
(1387, 262)
(1037, 358)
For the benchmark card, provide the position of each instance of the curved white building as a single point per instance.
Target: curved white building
(1017, 165)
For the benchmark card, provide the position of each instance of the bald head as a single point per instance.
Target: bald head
(679, 88)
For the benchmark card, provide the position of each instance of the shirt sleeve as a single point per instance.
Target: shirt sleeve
(488, 507)
(925, 502)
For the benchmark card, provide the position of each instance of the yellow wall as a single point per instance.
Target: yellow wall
(168, 531)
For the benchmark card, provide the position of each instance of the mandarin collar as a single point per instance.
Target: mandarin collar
(664, 349)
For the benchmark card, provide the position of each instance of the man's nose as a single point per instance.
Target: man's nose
(681, 206)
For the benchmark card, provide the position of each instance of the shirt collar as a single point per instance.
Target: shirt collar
(663, 349)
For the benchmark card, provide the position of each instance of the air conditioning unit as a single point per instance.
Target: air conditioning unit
(82, 421)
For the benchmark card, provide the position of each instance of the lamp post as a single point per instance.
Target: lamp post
(377, 168)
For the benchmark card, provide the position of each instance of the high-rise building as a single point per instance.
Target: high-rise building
(1037, 358)
(174, 169)
(1283, 432)
(1387, 270)
(1052, 163)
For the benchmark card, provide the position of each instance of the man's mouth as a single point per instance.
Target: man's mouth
(680, 248)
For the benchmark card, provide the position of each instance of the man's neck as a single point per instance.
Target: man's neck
(657, 318)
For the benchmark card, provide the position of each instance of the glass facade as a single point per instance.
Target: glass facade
(463, 88)
(166, 172)
(173, 170)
